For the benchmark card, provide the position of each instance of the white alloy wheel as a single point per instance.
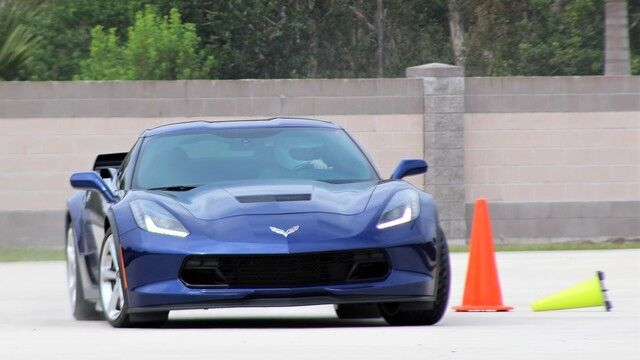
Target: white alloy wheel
(111, 291)
(72, 264)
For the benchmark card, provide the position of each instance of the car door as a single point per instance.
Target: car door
(95, 210)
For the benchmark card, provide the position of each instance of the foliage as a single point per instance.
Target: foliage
(334, 38)
(530, 38)
(258, 39)
(573, 43)
(634, 36)
(17, 40)
(156, 47)
(312, 38)
(65, 28)
(106, 60)
(416, 32)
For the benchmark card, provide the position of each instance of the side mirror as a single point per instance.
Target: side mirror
(92, 181)
(409, 167)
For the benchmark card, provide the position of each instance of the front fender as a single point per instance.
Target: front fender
(75, 205)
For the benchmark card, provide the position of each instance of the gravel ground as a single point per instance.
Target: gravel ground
(35, 321)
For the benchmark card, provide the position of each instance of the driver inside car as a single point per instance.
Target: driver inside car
(297, 155)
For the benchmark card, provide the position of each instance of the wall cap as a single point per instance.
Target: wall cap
(434, 70)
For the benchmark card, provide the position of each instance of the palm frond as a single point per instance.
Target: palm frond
(17, 39)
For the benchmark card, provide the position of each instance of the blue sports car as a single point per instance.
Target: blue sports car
(278, 212)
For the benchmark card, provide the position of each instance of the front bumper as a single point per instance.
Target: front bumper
(174, 295)
(153, 262)
(283, 302)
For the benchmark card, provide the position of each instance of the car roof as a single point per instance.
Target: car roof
(202, 125)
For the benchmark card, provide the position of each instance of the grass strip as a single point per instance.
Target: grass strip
(30, 254)
(12, 254)
(608, 245)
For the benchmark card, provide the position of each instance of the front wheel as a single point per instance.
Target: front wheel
(112, 290)
(424, 313)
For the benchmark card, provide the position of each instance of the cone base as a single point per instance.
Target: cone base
(499, 308)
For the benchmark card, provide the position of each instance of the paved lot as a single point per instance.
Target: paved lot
(35, 322)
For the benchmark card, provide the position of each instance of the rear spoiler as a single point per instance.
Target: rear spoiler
(105, 161)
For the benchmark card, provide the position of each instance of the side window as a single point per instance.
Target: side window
(122, 170)
(120, 175)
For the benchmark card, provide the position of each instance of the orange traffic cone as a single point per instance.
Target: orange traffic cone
(482, 288)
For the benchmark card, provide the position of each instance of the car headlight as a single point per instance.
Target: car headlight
(403, 207)
(154, 218)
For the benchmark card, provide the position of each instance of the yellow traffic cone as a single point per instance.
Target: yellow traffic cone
(588, 293)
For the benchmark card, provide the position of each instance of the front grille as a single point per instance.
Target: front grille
(284, 270)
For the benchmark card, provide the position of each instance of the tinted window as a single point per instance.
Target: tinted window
(122, 170)
(243, 154)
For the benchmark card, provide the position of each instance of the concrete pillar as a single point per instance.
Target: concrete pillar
(443, 87)
(616, 48)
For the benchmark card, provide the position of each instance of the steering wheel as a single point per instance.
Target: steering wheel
(304, 166)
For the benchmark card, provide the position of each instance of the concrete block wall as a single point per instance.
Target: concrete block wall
(538, 157)
(198, 98)
(558, 158)
(38, 159)
(49, 130)
(444, 90)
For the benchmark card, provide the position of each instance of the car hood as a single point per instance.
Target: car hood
(211, 202)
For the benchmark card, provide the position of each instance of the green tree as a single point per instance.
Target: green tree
(416, 33)
(571, 43)
(65, 29)
(17, 40)
(106, 60)
(327, 38)
(257, 38)
(317, 38)
(634, 36)
(157, 47)
(534, 37)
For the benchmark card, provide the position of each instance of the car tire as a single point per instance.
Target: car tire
(357, 311)
(110, 283)
(80, 307)
(403, 314)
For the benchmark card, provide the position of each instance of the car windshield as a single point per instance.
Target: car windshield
(185, 160)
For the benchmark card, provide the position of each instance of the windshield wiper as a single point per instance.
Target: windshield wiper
(175, 188)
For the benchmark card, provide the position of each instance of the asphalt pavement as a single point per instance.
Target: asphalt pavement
(35, 321)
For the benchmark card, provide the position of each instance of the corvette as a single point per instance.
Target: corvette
(277, 212)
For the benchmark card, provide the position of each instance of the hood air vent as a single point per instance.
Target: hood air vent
(273, 198)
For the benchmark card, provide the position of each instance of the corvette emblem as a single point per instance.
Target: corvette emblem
(284, 233)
